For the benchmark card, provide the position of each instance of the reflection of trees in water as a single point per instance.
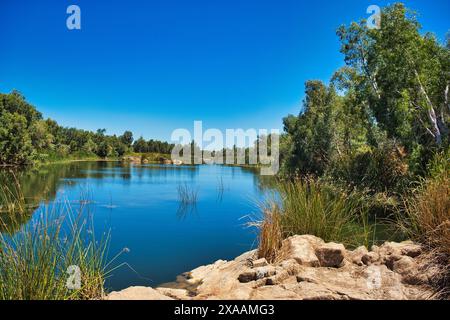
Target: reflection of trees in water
(264, 183)
(35, 185)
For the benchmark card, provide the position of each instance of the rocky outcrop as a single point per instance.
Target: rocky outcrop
(307, 269)
(132, 159)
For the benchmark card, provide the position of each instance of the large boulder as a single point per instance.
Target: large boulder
(302, 249)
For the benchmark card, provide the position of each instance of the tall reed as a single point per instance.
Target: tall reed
(187, 195)
(35, 257)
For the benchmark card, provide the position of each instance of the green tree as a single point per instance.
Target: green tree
(104, 150)
(15, 143)
(127, 138)
(312, 131)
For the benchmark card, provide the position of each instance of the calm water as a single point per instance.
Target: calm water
(140, 205)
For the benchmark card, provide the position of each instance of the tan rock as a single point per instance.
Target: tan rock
(177, 294)
(330, 255)
(264, 272)
(392, 274)
(138, 293)
(302, 250)
(356, 255)
(280, 276)
(259, 263)
(247, 276)
(370, 258)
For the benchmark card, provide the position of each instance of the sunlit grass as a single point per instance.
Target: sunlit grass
(35, 256)
(307, 207)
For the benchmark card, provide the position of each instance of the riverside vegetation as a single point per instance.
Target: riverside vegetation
(371, 149)
(365, 161)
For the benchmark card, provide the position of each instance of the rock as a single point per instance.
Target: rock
(404, 265)
(392, 274)
(302, 250)
(132, 159)
(291, 266)
(389, 260)
(278, 278)
(247, 276)
(330, 255)
(178, 294)
(411, 250)
(370, 258)
(259, 263)
(138, 293)
(356, 255)
(264, 272)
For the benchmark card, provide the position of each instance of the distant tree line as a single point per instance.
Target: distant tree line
(152, 146)
(26, 137)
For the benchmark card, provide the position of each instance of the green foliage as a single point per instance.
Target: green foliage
(25, 138)
(34, 262)
(378, 169)
(15, 142)
(312, 130)
(152, 146)
(391, 114)
(127, 138)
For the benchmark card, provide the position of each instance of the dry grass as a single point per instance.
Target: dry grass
(428, 214)
(270, 232)
(427, 221)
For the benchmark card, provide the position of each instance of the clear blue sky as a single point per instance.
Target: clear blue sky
(154, 66)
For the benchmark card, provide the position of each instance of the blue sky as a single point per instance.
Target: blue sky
(154, 66)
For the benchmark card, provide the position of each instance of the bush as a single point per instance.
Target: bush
(383, 169)
(313, 208)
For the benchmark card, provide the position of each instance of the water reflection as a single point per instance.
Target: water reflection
(141, 207)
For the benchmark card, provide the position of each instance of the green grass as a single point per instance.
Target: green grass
(35, 257)
(307, 207)
(35, 260)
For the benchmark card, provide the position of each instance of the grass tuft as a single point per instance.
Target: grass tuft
(308, 207)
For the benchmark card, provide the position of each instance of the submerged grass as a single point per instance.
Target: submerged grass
(187, 195)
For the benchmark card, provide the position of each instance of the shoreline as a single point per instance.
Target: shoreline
(307, 269)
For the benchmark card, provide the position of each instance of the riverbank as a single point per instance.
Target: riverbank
(306, 269)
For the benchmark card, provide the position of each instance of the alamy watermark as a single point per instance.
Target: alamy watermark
(235, 147)
(74, 280)
(73, 22)
(374, 21)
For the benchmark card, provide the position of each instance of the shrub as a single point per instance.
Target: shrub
(311, 207)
